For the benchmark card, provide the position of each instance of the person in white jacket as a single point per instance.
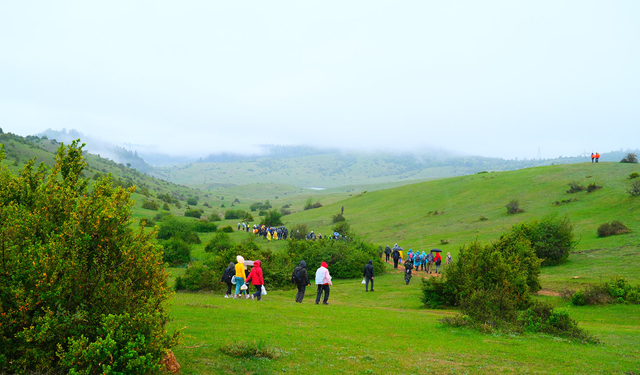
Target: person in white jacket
(323, 281)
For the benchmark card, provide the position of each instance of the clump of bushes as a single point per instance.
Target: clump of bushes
(214, 216)
(540, 317)
(193, 213)
(226, 229)
(220, 241)
(564, 201)
(634, 189)
(299, 231)
(612, 228)
(259, 206)
(617, 290)
(310, 205)
(272, 218)
(338, 217)
(593, 187)
(204, 226)
(513, 207)
(176, 252)
(550, 236)
(343, 227)
(192, 201)
(144, 222)
(150, 205)
(234, 214)
(483, 218)
(630, 158)
(634, 175)
(575, 187)
(172, 227)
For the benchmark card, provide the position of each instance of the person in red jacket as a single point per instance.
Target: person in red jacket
(593, 156)
(255, 276)
(597, 156)
(438, 261)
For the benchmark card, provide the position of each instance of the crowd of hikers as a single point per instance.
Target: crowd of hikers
(236, 274)
(335, 236)
(268, 232)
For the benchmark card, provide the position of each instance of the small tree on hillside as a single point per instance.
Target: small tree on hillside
(630, 158)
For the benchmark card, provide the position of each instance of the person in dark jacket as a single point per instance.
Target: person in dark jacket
(228, 273)
(408, 266)
(303, 282)
(368, 275)
(387, 252)
(395, 255)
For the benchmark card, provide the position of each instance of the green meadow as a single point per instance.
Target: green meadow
(388, 331)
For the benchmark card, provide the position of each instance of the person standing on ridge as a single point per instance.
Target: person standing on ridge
(597, 156)
(593, 156)
(323, 280)
(368, 275)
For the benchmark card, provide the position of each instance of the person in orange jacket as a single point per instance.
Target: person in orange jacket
(597, 156)
(593, 156)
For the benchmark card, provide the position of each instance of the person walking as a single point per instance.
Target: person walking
(429, 262)
(416, 260)
(597, 156)
(438, 261)
(396, 256)
(449, 259)
(408, 266)
(323, 280)
(593, 156)
(368, 275)
(387, 252)
(240, 277)
(255, 276)
(228, 273)
(301, 279)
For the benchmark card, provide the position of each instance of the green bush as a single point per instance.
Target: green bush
(513, 207)
(310, 205)
(612, 228)
(299, 231)
(198, 277)
(575, 187)
(510, 261)
(551, 237)
(634, 188)
(634, 175)
(165, 206)
(176, 252)
(172, 227)
(491, 307)
(234, 214)
(617, 290)
(150, 205)
(214, 216)
(85, 288)
(220, 242)
(193, 213)
(541, 317)
(226, 229)
(338, 218)
(144, 222)
(343, 227)
(593, 187)
(273, 218)
(205, 227)
(630, 158)
(192, 201)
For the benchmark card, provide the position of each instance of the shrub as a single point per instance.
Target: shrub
(192, 201)
(575, 187)
(165, 206)
(197, 277)
(173, 227)
(509, 261)
(176, 252)
(344, 228)
(272, 218)
(214, 216)
(634, 175)
(150, 205)
(612, 228)
(483, 218)
(338, 217)
(247, 218)
(144, 222)
(220, 242)
(513, 207)
(541, 317)
(299, 231)
(85, 287)
(285, 211)
(617, 290)
(630, 158)
(593, 187)
(204, 227)
(226, 229)
(234, 214)
(634, 189)
(551, 237)
(193, 213)
(310, 205)
(492, 307)
(260, 206)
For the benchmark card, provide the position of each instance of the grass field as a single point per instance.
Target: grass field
(388, 331)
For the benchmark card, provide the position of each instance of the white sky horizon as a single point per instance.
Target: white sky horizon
(494, 78)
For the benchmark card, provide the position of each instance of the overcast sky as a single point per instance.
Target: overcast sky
(493, 78)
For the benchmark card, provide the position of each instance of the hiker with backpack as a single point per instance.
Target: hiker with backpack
(408, 266)
(449, 259)
(323, 280)
(255, 276)
(429, 262)
(228, 273)
(368, 275)
(396, 255)
(300, 277)
(387, 252)
(437, 261)
(416, 260)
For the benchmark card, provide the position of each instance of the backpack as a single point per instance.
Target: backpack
(296, 278)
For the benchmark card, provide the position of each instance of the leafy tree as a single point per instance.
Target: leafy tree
(193, 213)
(630, 158)
(220, 241)
(192, 202)
(551, 237)
(172, 227)
(272, 218)
(79, 287)
(234, 214)
(150, 205)
(176, 252)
